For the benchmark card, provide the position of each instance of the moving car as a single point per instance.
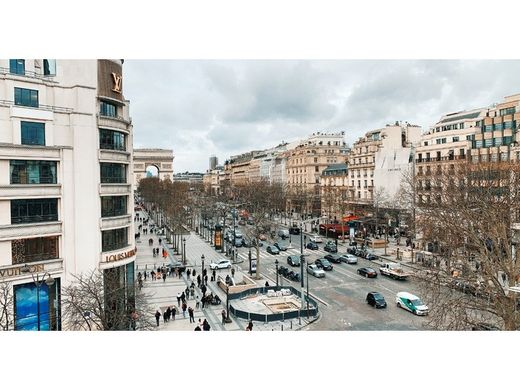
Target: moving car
(312, 245)
(330, 247)
(280, 246)
(294, 276)
(349, 259)
(262, 237)
(376, 299)
(293, 260)
(367, 272)
(283, 270)
(333, 258)
(221, 264)
(324, 263)
(272, 250)
(370, 256)
(411, 303)
(238, 242)
(294, 230)
(394, 271)
(315, 238)
(238, 234)
(315, 271)
(283, 233)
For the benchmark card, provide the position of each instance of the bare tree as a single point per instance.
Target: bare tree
(468, 210)
(94, 302)
(6, 305)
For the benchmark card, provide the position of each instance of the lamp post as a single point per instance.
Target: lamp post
(202, 259)
(46, 278)
(249, 256)
(184, 249)
(276, 265)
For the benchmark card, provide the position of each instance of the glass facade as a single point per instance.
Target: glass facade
(108, 109)
(34, 249)
(33, 172)
(26, 97)
(17, 66)
(113, 173)
(34, 210)
(114, 239)
(37, 307)
(119, 292)
(113, 206)
(49, 67)
(33, 133)
(111, 140)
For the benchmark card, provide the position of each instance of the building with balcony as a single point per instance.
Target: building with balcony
(334, 192)
(66, 197)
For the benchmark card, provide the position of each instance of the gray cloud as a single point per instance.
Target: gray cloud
(200, 108)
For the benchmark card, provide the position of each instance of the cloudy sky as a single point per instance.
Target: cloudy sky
(222, 108)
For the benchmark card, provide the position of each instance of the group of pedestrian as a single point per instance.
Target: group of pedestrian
(203, 326)
(155, 252)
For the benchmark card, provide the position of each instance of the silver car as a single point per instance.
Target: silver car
(349, 259)
(315, 271)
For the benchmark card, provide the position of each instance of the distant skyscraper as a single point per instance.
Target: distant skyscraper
(213, 162)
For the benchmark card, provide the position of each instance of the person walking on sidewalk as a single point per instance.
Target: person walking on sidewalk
(192, 292)
(187, 291)
(198, 281)
(223, 317)
(183, 297)
(164, 277)
(165, 318)
(205, 325)
(174, 311)
(206, 279)
(179, 299)
(157, 316)
(168, 314)
(197, 302)
(188, 273)
(250, 325)
(190, 312)
(184, 307)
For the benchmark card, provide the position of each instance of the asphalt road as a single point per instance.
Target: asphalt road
(343, 291)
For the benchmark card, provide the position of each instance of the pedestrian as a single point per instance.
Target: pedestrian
(203, 302)
(250, 325)
(179, 299)
(164, 276)
(197, 328)
(164, 317)
(197, 302)
(183, 297)
(205, 325)
(190, 312)
(223, 316)
(168, 313)
(214, 276)
(184, 307)
(188, 273)
(233, 272)
(198, 281)
(145, 275)
(193, 273)
(157, 316)
(160, 241)
(192, 292)
(203, 289)
(174, 311)
(187, 291)
(152, 273)
(266, 283)
(206, 279)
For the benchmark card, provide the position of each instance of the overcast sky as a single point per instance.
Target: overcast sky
(222, 108)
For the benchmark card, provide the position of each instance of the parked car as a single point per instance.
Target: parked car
(238, 242)
(411, 303)
(333, 258)
(283, 234)
(262, 237)
(370, 256)
(293, 260)
(315, 238)
(283, 270)
(351, 251)
(349, 259)
(237, 233)
(272, 250)
(253, 242)
(294, 230)
(294, 276)
(330, 247)
(280, 246)
(376, 299)
(220, 264)
(315, 271)
(324, 264)
(312, 245)
(367, 272)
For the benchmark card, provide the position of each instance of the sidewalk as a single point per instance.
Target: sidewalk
(164, 293)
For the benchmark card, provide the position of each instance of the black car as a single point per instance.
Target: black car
(283, 270)
(351, 251)
(294, 230)
(376, 299)
(367, 272)
(293, 260)
(272, 250)
(313, 246)
(294, 276)
(280, 246)
(370, 256)
(324, 264)
(330, 247)
(333, 258)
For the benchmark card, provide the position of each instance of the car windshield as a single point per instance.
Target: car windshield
(325, 262)
(417, 302)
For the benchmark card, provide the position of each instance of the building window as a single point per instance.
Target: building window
(34, 210)
(488, 143)
(26, 97)
(17, 66)
(498, 141)
(113, 206)
(316, 169)
(488, 128)
(455, 139)
(33, 172)
(507, 111)
(107, 109)
(33, 133)
(34, 249)
(113, 173)
(114, 239)
(478, 143)
(37, 307)
(49, 67)
(111, 140)
(503, 156)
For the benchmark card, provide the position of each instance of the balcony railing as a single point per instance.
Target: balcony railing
(27, 73)
(34, 218)
(63, 110)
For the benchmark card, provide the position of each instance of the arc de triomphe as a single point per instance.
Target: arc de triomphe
(162, 159)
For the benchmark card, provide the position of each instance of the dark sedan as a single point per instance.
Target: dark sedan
(294, 276)
(294, 230)
(280, 246)
(293, 260)
(324, 264)
(272, 250)
(313, 246)
(376, 299)
(333, 258)
(330, 247)
(367, 272)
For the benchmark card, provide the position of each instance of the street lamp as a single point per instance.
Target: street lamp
(46, 278)
(184, 249)
(276, 264)
(202, 259)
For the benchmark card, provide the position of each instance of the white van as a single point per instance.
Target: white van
(411, 303)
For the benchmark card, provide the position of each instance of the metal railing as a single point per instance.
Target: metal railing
(64, 110)
(27, 73)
